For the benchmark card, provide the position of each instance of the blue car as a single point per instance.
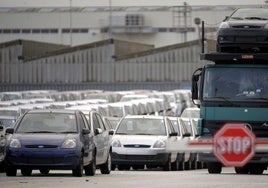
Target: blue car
(50, 140)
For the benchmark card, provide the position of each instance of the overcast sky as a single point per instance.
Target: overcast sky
(53, 3)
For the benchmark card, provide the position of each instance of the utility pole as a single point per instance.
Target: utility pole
(71, 25)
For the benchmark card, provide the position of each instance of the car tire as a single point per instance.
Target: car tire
(11, 171)
(167, 166)
(90, 169)
(113, 167)
(44, 171)
(26, 171)
(214, 168)
(256, 169)
(107, 166)
(78, 171)
(175, 164)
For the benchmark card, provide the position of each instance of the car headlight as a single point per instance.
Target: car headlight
(224, 25)
(69, 144)
(116, 143)
(2, 143)
(15, 143)
(159, 144)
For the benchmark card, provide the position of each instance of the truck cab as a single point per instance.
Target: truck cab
(233, 88)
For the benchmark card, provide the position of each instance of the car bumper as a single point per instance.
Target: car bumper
(136, 156)
(233, 36)
(60, 159)
(257, 158)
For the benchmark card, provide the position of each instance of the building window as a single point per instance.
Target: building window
(36, 31)
(15, 31)
(44, 30)
(65, 30)
(6, 31)
(134, 20)
(54, 30)
(26, 31)
(162, 29)
(83, 30)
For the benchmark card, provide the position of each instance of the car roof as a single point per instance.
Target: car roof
(144, 117)
(52, 111)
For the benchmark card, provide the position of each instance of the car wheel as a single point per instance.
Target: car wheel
(113, 167)
(256, 169)
(90, 169)
(10, 171)
(138, 167)
(123, 167)
(106, 167)
(175, 165)
(167, 166)
(44, 171)
(78, 171)
(26, 171)
(214, 168)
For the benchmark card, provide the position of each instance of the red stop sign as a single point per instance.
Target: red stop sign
(234, 144)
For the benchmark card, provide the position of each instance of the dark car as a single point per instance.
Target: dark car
(246, 29)
(5, 122)
(50, 140)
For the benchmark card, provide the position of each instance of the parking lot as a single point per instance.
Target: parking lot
(140, 178)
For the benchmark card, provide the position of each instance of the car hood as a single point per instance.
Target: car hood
(138, 139)
(37, 139)
(259, 23)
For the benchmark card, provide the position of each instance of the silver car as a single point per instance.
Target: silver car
(141, 140)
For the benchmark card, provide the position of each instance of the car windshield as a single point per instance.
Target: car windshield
(48, 123)
(252, 14)
(236, 84)
(142, 126)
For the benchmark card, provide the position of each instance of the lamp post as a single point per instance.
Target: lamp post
(71, 24)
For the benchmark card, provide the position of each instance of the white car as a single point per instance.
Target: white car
(141, 140)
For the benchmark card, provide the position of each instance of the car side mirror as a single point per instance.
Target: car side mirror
(111, 132)
(98, 131)
(9, 131)
(85, 131)
(173, 134)
(186, 134)
(1, 127)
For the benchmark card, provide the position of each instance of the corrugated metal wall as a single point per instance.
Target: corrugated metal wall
(96, 65)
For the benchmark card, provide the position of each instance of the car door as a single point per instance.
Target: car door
(86, 139)
(101, 138)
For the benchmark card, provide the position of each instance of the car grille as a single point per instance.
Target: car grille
(260, 129)
(247, 26)
(41, 146)
(136, 146)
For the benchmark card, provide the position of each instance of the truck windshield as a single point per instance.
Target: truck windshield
(235, 84)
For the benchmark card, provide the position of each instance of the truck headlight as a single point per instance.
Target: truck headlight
(69, 144)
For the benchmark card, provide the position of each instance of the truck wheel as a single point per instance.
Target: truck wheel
(214, 168)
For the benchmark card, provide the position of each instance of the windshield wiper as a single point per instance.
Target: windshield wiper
(41, 132)
(255, 18)
(236, 18)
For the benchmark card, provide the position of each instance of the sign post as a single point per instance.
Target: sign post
(234, 144)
